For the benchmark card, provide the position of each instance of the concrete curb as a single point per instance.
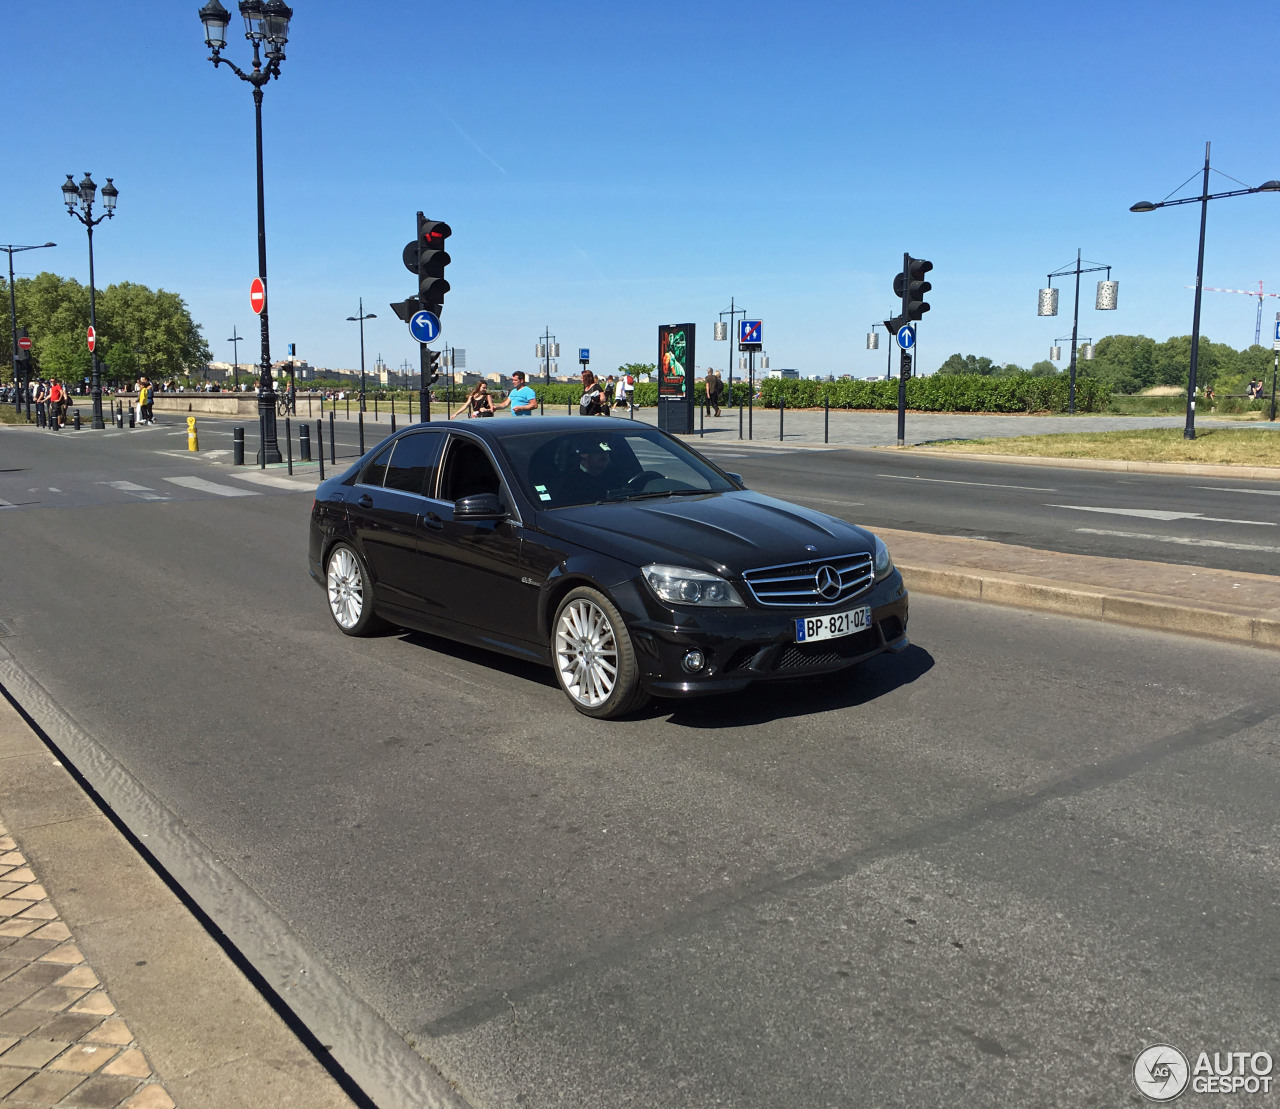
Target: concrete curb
(1093, 602)
(211, 1036)
(1194, 469)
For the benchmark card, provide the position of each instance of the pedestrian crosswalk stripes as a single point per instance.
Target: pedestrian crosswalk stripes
(204, 486)
(275, 481)
(142, 492)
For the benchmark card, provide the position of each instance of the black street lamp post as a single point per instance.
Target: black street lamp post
(13, 321)
(1273, 186)
(83, 194)
(1049, 307)
(235, 341)
(265, 21)
(360, 319)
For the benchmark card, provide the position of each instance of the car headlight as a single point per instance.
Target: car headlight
(883, 563)
(681, 585)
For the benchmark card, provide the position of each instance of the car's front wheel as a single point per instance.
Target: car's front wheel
(593, 657)
(350, 593)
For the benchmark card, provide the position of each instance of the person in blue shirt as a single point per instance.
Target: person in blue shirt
(522, 400)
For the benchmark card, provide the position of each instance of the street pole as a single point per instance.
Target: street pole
(733, 313)
(1274, 370)
(235, 341)
(270, 449)
(1075, 324)
(362, 387)
(1189, 432)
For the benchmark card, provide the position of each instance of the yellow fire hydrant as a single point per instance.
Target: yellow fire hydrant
(193, 443)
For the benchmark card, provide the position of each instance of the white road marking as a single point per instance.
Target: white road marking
(7, 504)
(53, 490)
(1164, 514)
(830, 500)
(139, 491)
(273, 480)
(986, 484)
(1182, 540)
(199, 484)
(1225, 489)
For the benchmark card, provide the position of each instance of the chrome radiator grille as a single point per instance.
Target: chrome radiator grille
(826, 581)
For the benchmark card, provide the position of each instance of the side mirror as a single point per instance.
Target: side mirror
(479, 506)
(735, 477)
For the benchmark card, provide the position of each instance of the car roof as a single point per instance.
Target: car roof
(505, 426)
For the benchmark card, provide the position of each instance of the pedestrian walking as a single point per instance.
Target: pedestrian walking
(479, 403)
(522, 400)
(717, 391)
(41, 399)
(591, 403)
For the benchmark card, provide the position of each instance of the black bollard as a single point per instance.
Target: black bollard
(333, 442)
(782, 409)
(288, 443)
(262, 440)
(739, 421)
(308, 403)
(360, 421)
(237, 446)
(393, 418)
(304, 443)
(348, 406)
(77, 419)
(826, 418)
(702, 422)
(375, 406)
(133, 415)
(320, 445)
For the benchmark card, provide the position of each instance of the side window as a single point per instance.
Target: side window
(376, 470)
(413, 466)
(467, 471)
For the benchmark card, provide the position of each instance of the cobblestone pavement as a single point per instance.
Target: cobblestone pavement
(62, 1042)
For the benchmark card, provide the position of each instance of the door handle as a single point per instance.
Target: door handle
(365, 501)
(431, 520)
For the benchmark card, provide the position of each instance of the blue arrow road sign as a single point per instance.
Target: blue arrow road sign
(1277, 338)
(424, 326)
(749, 331)
(906, 336)
(584, 355)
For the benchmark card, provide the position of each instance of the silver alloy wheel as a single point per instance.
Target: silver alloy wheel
(586, 652)
(346, 588)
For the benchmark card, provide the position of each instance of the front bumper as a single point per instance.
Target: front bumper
(741, 646)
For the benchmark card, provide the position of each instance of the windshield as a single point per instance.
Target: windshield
(603, 464)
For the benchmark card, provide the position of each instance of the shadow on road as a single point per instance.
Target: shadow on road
(766, 701)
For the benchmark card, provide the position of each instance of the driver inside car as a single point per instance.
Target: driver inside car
(592, 476)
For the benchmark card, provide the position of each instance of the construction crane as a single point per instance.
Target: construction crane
(1257, 331)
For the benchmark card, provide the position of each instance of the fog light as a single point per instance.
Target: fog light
(693, 661)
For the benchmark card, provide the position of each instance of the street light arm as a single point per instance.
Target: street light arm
(1147, 206)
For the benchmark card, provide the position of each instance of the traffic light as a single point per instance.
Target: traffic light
(431, 368)
(426, 257)
(892, 326)
(911, 286)
(432, 259)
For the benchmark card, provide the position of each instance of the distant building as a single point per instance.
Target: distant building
(790, 375)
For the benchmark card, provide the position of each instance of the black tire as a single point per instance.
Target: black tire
(593, 657)
(349, 592)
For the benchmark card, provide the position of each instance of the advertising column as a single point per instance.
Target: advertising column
(675, 378)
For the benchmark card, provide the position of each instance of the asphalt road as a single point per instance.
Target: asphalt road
(988, 871)
(1226, 523)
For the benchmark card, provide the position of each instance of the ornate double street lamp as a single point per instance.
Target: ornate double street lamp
(1108, 294)
(1189, 432)
(360, 319)
(13, 322)
(266, 25)
(83, 194)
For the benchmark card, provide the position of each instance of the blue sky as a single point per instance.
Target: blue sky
(607, 168)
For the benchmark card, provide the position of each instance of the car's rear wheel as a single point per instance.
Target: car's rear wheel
(350, 593)
(593, 657)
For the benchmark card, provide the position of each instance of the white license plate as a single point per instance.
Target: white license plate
(809, 629)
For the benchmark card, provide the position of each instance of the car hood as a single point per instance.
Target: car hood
(721, 532)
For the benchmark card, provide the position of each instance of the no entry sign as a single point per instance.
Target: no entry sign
(24, 343)
(92, 338)
(257, 295)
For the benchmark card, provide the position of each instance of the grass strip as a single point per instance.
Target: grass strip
(1234, 446)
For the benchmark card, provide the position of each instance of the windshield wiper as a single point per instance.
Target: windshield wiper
(669, 493)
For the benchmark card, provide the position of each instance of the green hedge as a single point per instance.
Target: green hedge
(942, 393)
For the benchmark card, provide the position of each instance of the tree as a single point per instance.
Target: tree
(1045, 368)
(139, 329)
(637, 368)
(968, 364)
(1126, 361)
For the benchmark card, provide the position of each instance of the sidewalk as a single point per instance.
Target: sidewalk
(111, 993)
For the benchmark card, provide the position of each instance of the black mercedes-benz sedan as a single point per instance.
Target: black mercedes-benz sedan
(607, 549)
